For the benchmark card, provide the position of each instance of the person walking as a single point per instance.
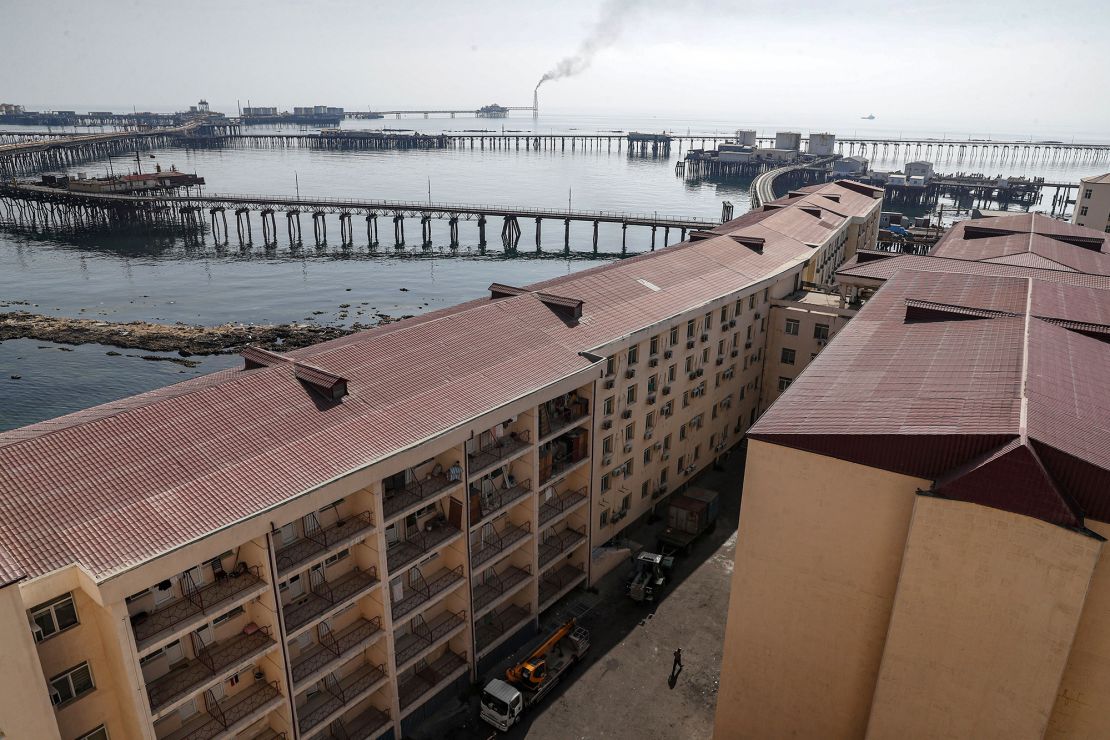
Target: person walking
(677, 665)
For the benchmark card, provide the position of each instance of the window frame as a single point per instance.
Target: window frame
(67, 675)
(51, 608)
(793, 326)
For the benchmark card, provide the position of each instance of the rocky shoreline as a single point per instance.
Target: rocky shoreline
(184, 339)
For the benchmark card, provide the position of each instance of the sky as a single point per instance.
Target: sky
(973, 65)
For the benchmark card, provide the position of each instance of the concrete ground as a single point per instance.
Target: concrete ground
(621, 688)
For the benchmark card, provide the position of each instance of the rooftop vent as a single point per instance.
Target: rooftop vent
(976, 231)
(697, 236)
(812, 210)
(833, 198)
(567, 308)
(860, 188)
(773, 206)
(500, 290)
(754, 243)
(1094, 243)
(329, 385)
(256, 357)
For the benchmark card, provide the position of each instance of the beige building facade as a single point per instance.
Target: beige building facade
(1092, 203)
(306, 596)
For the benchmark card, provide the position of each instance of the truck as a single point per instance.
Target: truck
(649, 575)
(533, 678)
(689, 515)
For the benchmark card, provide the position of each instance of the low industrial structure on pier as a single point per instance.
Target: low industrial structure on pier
(324, 541)
(922, 541)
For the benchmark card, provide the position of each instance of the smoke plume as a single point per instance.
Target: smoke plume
(614, 15)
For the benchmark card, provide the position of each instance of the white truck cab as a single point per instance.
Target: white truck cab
(502, 704)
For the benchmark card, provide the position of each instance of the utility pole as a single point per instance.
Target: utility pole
(297, 182)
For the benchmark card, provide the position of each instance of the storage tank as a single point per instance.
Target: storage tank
(788, 140)
(822, 144)
(746, 137)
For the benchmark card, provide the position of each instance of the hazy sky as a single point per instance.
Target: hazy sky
(972, 65)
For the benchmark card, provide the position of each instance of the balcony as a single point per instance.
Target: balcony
(323, 541)
(424, 591)
(497, 585)
(494, 503)
(558, 582)
(334, 648)
(495, 544)
(212, 662)
(416, 493)
(558, 543)
(499, 625)
(417, 545)
(557, 506)
(209, 600)
(337, 694)
(230, 715)
(425, 635)
(498, 453)
(423, 683)
(367, 724)
(562, 455)
(327, 596)
(555, 421)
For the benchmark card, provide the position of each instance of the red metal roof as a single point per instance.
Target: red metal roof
(113, 486)
(987, 378)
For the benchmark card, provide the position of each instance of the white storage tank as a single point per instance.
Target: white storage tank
(746, 137)
(788, 140)
(822, 144)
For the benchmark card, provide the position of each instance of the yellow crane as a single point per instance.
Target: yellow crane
(532, 671)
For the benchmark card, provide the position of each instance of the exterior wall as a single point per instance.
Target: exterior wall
(1097, 206)
(25, 710)
(980, 657)
(818, 553)
(1079, 709)
(805, 343)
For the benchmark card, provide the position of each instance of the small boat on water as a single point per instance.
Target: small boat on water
(868, 117)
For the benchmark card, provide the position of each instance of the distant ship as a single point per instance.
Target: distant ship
(868, 117)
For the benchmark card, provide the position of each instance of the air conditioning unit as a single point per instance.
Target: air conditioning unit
(822, 342)
(607, 424)
(701, 372)
(609, 384)
(626, 414)
(651, 399)
(607, 460)
(747, 345)
(690, 344)
(630, 373)
(735, 353)
(720, 361)
(732, 323)
(758, 315)
(653, 362)
(658, 445)
(724, 326)
(647, 433)
(666, 390)
(705, 337)
(665, 456)
(667, 354)
(693, 374)
(628, 447)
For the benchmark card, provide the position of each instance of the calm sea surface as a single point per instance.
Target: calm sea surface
(130, 276)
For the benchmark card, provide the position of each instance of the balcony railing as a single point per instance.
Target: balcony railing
(559, 580)
(561, 466)
(418, 544)
(366, 724)
(497, 584)
(423, 590)
(229, 715)
(414, 493)
(494, 543)
(334, 647)
(555, 423)
(321, 540)
(498, 623)
(499, 451)
(209, 663)
(499, 499)
(420, 683)
(326, 596)
(337, 694)
(556, 505)
(210, 599)
(423, 635)
(558, 543)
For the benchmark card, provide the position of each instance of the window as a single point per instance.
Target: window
(649, 421)
(644, 490)
(605, 484)
(607, 406)
(724, 314)
(705, 355)
(607, 445)
(697, 451)
(630, 395)
(690, 364)
(792, 327)
(610, 365)
(784, 383)
(787, 356)
(667, 442)
(653, 347)
(647, 456)
(690, 329)
(1083, 211)
(721, 347)
(74, 683)
(98, 734)
(682, 432)
(821, 331)
(670, 373)
(749, 336)
(333, 559)
(627, 467)
(626, 503)
(681, 464)
(652, 382)
(227, 615)
(766, 294)
(1087, 193)
(663, 477)
(674, 336)
(751, 301)
(708, 321)
(633, 354)
(685, 399)
(630, 432)
(604, 517)
(54, 616)
(668, 408)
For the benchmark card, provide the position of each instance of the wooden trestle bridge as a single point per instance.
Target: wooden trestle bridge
(45, 206)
